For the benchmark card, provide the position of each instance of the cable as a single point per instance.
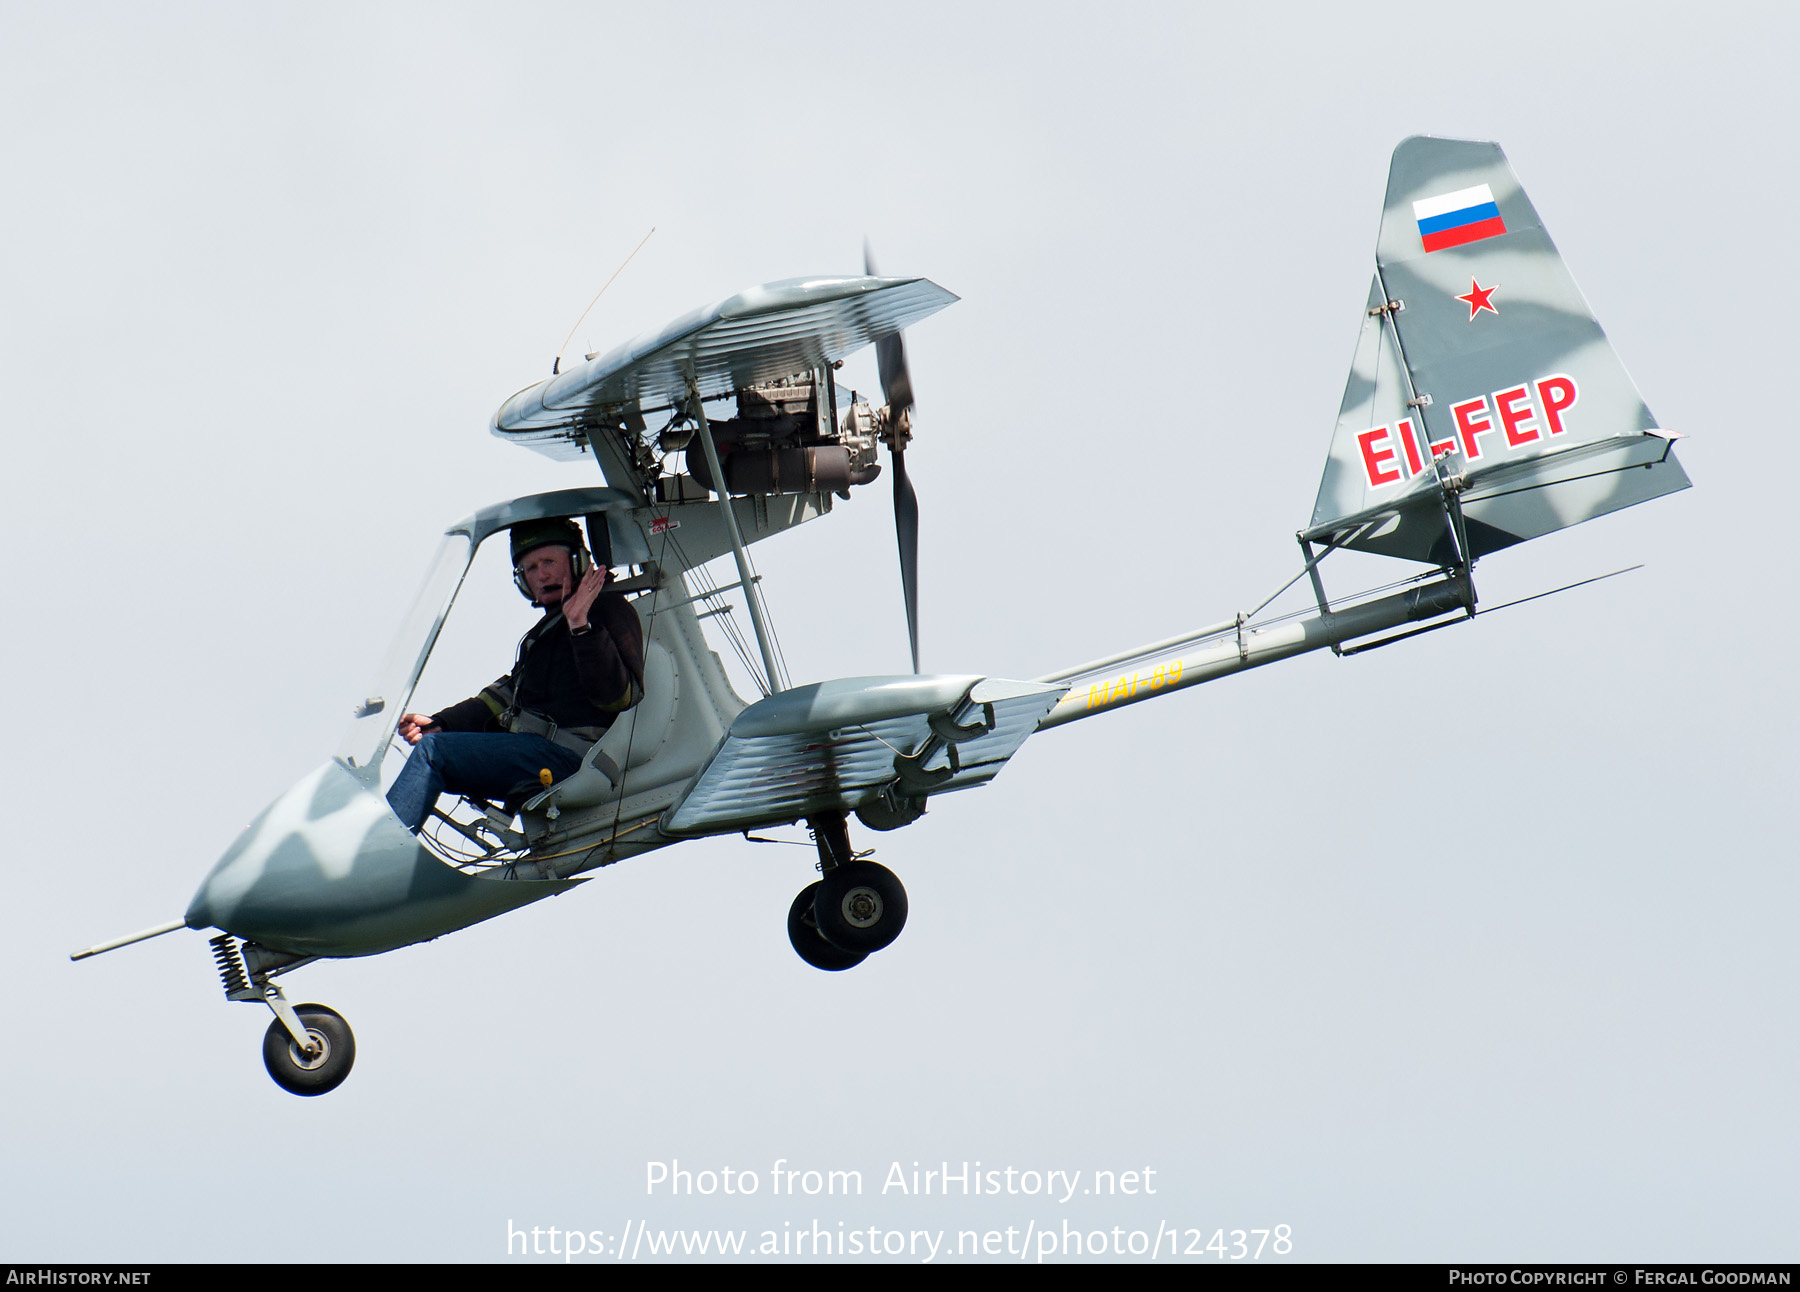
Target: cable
(727, 625)
(783, 681)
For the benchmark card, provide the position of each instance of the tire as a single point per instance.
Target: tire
(292, 1070)
(809, 945)
(860, 907)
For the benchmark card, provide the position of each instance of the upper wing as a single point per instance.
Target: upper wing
(837, 746)
(762, 334)
(1478, 348)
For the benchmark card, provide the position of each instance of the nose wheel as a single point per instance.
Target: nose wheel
(322, 1064)
(308, 1049)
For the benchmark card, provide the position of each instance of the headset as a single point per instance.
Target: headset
(579, 564)
(579, 561)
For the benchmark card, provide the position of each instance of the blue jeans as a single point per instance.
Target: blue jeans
(484, 765)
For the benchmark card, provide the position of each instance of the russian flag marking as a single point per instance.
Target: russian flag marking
(1452, 219)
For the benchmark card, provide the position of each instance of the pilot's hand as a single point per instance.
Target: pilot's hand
(580, 601)
(414, 725)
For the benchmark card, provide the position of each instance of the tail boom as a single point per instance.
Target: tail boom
(1246, 648)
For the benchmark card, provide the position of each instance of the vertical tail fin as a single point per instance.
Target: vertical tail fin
(1480, 370)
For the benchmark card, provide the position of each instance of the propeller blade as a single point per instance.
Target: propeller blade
(896, 390)
(896, 382)
(890, 359)
(906, 529)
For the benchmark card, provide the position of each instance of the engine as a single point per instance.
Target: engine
(786, 438)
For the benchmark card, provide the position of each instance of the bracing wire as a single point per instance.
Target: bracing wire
(734, 632)
(784, 681)
(707, 590)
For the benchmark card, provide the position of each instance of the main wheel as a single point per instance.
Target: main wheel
(860, 907)
(300, 1073)
(803, 932)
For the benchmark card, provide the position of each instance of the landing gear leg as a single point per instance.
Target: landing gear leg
(831, 833)
(284, 1015)
(308, 1049)
(857, 908)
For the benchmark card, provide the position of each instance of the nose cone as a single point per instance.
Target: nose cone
(327, 849)
(328, 870)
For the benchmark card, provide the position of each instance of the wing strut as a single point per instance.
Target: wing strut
(752, 593)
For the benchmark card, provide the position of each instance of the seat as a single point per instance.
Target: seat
(636, 736)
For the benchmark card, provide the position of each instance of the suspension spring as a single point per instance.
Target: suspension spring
(231, 965)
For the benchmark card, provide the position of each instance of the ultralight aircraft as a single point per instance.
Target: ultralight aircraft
(1484, 407)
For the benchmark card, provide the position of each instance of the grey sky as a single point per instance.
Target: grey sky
(1477, 948)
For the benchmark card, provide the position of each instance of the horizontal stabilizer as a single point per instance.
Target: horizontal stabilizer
(1481, 372)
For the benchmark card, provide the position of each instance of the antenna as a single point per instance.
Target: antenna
(556, 365)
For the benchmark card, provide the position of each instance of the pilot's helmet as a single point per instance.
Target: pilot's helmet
(528, 536)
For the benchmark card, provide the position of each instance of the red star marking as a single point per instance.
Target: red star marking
(1478, 299)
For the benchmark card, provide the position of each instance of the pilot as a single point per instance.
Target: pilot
(578, 668)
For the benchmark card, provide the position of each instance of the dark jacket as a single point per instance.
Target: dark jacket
(578, 681)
